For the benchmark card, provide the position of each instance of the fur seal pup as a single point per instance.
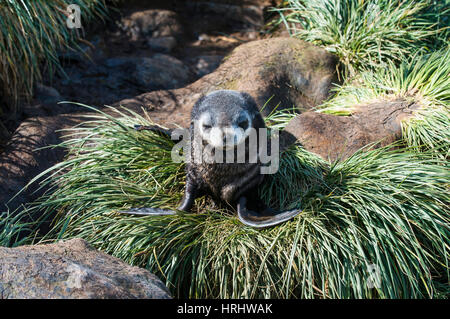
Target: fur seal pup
(221, 124)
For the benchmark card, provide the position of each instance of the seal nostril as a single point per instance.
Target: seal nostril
(243, 124)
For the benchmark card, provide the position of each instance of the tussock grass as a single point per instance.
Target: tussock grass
(368, 33)
(31, 32)
(424, 80)
(430, 130)
(381, 208)
(14, 229)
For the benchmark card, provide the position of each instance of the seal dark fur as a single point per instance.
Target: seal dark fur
(234, 183)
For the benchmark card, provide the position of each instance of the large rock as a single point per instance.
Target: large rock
(162, 44)
(277, 71)
(338, 137)
(158, 72)
(46, 94)
(72, 269)
(152, 23)
(206, 64)
(161, 72)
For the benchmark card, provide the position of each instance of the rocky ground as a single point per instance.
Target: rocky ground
(161, 58)
(144, 47)
(157, 46)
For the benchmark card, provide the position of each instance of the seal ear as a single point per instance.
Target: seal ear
(253, 109)
(195, 109)
(250, 102)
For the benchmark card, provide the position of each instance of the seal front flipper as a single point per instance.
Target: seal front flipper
(148, 211)
(267, 218)
(190, 195)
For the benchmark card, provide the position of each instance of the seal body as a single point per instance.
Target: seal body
(215, 119)
(224, 159)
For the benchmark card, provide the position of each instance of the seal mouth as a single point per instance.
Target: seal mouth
(227, 146)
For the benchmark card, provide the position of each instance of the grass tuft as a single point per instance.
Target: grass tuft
(368, 34)
(379, 209)
(424, 80)
(31, 33)
(14, 230)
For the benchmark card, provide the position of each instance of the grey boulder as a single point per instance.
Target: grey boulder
(46, 94)
(158, 72)
(162, 44)
(151, 23)
(161, 72)
(72, 270)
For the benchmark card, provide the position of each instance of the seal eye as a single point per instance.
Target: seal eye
(243, 124)
(206, 126)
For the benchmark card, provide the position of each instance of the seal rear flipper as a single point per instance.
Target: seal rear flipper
(190, 194)
(148, 211)
(264, 219)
